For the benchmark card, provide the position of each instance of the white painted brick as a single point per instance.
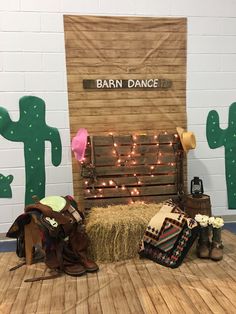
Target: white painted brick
(18, 61)
(151, 7)
(222, 211)
(1, 61)
(199, 115)
(10, 41)
(12, 81)
(200, 132)
(201, 150)
(54, 62)
(48, 156)
(211, 183)
(9, 5)
(228, 63)
(42, 5)
(51, 22)
(10, 100)
(6, 214)
(202, 8)
(12, 158)
(219, 198)
(65, 139)
(213, 81)
(18, 195)
(228, 26)
(203, 62)
(17, 210)
(91, 6)
(21, 21)
(204, 44)
(18, 175)
(204, 26)
(58, 189)
(208, 166)
(60, 117)
(54, 100)
(45, 42)
(210, 99)
(45, 81)
(5, 227)
(59, 174)
(35, 42)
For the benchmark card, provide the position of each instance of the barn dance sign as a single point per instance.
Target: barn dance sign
(149, 84)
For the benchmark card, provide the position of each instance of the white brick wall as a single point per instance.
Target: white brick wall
(32, 62)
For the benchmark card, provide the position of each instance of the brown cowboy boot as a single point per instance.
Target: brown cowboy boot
(79, 242)
(216, 246)
(203, 246)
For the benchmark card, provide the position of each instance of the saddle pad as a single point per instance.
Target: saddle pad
(169, 236)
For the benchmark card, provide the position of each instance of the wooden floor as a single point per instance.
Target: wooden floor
(134, 286)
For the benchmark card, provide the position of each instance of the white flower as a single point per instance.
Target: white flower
(202, 219)
(211, 220)
(216, 222)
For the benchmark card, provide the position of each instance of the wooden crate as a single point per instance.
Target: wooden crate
(127, 168)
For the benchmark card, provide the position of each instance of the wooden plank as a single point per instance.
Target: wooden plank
(82, 295)
(114, 69)
(57, 297)
(89, 203)
(146, 302)
(124, 94)
(163, 105)
(105, 23)
(129, 289)
(94, 303)
(177, 304)
(121, 36)
(134, 181)
(130, 191)
(70, 294)
(122, 53)
(155, 170)
(105, 292)
(45, 296)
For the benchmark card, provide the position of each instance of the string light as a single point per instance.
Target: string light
(128, 161)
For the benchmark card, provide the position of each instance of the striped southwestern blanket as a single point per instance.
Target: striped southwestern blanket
(169, 236)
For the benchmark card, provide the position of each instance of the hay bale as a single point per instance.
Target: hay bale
(116, 231)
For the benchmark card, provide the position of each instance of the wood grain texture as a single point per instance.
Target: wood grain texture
(124, 169)
(132, 286)
(125, 48)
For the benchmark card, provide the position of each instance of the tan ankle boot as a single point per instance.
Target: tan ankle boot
(216, 246)
(203, 246)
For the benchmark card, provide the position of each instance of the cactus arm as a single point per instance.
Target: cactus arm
(52, 135)
(216, 137)
(9, 129)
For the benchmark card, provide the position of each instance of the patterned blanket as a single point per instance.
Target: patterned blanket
(169, 236)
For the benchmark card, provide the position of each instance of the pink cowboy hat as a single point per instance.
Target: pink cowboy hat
(78, 144)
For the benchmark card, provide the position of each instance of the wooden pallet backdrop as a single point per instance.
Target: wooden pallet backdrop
(125, 48)
(124, 169)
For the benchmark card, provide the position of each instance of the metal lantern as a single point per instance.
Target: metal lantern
(197, 187)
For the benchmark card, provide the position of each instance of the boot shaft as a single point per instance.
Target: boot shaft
(216, 235)
(204, 235)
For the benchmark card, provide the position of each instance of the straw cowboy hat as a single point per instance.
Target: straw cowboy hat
(187, 139)
(79, 143)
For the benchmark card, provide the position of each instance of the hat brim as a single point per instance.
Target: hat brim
(79, 143)
(182, 138)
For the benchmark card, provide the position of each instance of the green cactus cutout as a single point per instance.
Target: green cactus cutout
(5, 186)
(32, 130)
(217, 137)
